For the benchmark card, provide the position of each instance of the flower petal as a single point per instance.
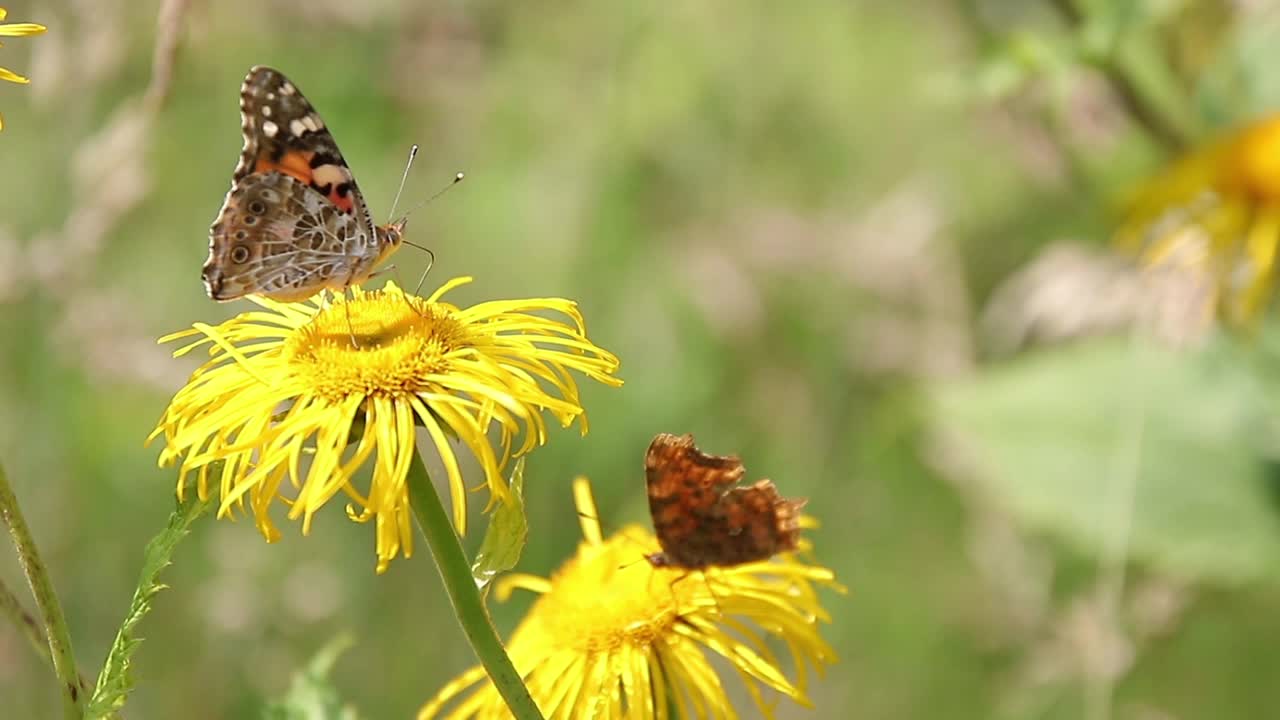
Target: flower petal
(20, 29)
(13, 77)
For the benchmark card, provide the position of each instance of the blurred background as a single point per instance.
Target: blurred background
(868, 246)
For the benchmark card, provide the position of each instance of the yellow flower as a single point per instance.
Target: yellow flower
(1216, 215)
(613, 637)
(286, 383)
(15, 30)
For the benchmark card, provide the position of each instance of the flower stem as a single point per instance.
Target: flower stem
(55, 625)
(26, 623)
(1135, 93)
(468, 605)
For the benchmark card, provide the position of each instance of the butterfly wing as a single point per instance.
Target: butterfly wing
(759, 522)
(684, 485)
(294, 221)
(699, 516)
(277, 238)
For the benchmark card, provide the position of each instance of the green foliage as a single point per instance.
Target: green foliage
(1058, 435)
(311, 695)
(116, 679)
(704, 179)
(508, 531)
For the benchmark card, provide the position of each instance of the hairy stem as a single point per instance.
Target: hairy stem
(27, 624)
(55, 625)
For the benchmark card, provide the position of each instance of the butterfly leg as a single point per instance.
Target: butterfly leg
(417, 290)
(671, 586)
(416, 310)
(346, 305)
(351, 329)
(383, 271)
(711, 590)
(705, 581)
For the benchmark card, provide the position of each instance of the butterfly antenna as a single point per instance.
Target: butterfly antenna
(456, 179)
(431, 254)
(413, 153)
(645, 550)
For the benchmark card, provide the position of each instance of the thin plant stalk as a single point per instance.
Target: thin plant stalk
(1126, 471)
(1134, 93)
(55, 625)
(27, 624)
(468, 604)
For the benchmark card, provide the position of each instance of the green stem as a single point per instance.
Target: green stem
(29, 626)
(1133, 92)
(26, 623)
(55, 625)
(468, 605)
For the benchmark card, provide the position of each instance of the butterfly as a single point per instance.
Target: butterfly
(700, 515)
(294, 222)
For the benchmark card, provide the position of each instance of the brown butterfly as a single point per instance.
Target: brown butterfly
(701, 518)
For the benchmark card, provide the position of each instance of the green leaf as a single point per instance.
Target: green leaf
(1020, 59)
(311, 696)
(115, 681)
(1055, 435)
(505, 537)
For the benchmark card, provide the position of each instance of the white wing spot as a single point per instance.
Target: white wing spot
(270, 129)
(297, 127)
(271, 96)
(288, 89)
(313, 122)
(266, 111)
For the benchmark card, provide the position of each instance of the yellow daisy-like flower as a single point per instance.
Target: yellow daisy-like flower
(613, 637)
(286, 383)
(15, 30)
(1216, 215)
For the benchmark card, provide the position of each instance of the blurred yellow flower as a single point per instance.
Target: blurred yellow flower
(1215, 214)
(613, 637)
(15, 30)
(285, 383)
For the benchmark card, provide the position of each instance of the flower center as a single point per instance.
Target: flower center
(375, 344)
(1257, 166)
(609, 596)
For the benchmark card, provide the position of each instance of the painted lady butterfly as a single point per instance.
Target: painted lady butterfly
(701, 519)
(294, 221)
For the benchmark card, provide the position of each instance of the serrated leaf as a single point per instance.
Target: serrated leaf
(1048, 435)
(505, 537)
(311, 695)
(115, 680)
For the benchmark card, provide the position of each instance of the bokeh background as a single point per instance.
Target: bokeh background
(865, 245)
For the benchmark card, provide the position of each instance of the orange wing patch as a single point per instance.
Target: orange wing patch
(295, 164)
(703, 519)
(333, 181)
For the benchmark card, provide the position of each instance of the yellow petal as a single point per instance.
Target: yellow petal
(18, 29)
(12, 77)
